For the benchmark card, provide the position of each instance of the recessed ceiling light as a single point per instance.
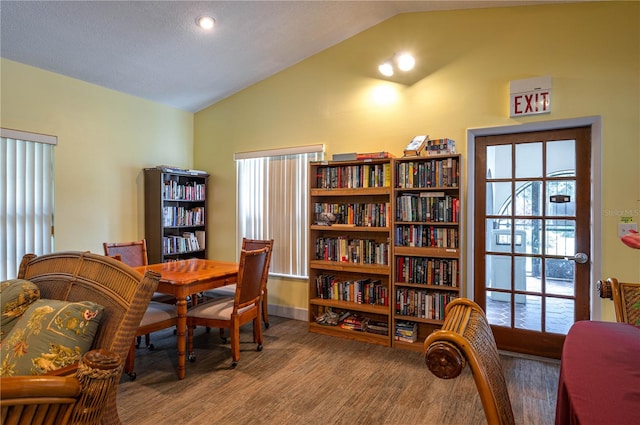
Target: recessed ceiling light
(205, 22)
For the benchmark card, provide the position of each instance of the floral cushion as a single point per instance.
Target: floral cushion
(50, 335)
(16, 295)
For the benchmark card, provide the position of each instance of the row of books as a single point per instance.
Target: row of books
(181, 216)
(427, 207)
(428, 271)
(352, 321)
(421, 235)
(354, 176)
(358, 251)
(433, 173)
(188, 242)
(361, 291)
(421, 303)
(366, 214)
(189, 191)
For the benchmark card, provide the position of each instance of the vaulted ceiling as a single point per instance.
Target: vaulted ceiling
(154, 50)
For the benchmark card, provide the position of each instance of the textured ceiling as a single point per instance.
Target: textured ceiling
(153, 50)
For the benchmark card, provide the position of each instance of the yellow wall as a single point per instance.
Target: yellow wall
(466, 60)
(591, 51)
(105, 139)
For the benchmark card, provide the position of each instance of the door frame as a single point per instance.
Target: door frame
(596, 195)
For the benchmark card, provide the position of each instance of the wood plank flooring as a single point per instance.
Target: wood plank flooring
(304, 378)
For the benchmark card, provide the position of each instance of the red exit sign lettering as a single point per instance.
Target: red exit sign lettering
(529, 97)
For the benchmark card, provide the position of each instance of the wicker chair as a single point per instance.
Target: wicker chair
(62, 400)
(83, 276)
(466, 337)
(626, 299)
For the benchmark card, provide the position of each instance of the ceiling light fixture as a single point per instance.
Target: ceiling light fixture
(401, 61)
(205, 22)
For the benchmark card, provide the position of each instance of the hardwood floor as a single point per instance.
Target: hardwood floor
(304, 378)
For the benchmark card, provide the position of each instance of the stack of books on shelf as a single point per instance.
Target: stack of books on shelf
(441, 147)
(355, 322)
(406, 331)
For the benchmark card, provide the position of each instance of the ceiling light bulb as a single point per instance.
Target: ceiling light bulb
(406, 62)
(205, 22)
(386, 69)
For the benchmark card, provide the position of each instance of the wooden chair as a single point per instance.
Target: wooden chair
(83, 276)
(61, 400)
(466, 337)
(230, 290)
(231, 313)
(626, 299)
(135, 255)
(161, 312)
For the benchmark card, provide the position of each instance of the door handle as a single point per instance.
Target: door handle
(579, 258)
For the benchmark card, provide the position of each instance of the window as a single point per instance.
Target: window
(26, 197)
(272, 190)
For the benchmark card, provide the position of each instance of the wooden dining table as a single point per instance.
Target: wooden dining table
(599, 375)
(185, 278)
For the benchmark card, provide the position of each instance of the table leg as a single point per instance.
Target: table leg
(181, 330)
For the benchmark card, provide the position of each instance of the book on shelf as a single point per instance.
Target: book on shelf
(416, 145)
(201, 237)
(374, 155)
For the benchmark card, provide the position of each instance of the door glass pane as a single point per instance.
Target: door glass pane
(532, 234)
(560, 237)
(502, 199)
(528, 198)
(529, 312)
(561, 198)
(559, 276)
(499, 162)
(561, 158)
(499, 237)
(559, 315)
(529, 160)
(498, 308)
(498, 271)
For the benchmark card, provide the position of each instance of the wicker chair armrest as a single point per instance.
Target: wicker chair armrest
(604, 289)
(444, 360)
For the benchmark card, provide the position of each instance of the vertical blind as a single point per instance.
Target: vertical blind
(272, 198)
(26, 198)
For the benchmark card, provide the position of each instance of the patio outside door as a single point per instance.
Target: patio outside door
(532, 236)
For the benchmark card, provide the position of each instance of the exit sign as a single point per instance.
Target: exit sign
(530, 97)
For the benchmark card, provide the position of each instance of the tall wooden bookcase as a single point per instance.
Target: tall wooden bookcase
(350, 260)
(175, 220)
(426, 251)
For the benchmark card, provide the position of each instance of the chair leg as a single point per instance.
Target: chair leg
(235, 342)
(265, 313)
(257, 332)
(190, 354)
(130, 362)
